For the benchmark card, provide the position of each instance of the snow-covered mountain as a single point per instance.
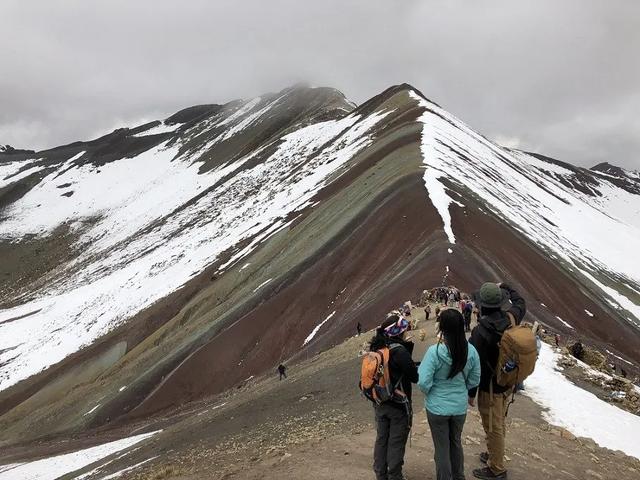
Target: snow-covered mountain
(226, 238)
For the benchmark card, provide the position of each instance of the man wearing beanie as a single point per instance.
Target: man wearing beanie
(495, 301)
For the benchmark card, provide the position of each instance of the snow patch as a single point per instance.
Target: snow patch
(565, 323)
(91, 411)
(588, 312)
(54, 467)
(579, 411)
(315, 330)
(261, 285)
(618, 357)
(162, 128)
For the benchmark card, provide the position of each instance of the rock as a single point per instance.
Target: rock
(471, 440)
(563, 432)
(566, 361)
(594, 474)
(285, 456)
(535, 456)
(568, 435)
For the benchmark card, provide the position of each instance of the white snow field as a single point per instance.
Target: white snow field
(532, 197)
(579, 411)
(120, 271)
(53, 467)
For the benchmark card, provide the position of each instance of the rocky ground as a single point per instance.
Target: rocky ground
(316, 425)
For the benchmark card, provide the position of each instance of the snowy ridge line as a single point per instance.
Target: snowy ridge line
(54, 467)
(119, 271)
(571, 224)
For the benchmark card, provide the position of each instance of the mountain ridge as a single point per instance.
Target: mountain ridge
(220, 242)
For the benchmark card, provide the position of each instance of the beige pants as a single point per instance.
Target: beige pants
(493, 411)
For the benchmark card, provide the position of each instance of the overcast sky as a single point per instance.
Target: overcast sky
(557, 77)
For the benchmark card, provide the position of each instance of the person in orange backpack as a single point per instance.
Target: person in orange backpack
(393, 415)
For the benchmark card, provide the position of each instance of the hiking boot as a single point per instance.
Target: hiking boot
(487, 474)
(484, 457)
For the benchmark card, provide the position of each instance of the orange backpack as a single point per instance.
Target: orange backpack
(375, 381)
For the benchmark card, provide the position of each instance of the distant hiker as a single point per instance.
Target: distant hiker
(502, 309)
(437, 313)
(452, 299)
(557, 338)
(447, 372)
(359, 328)
(427, 311)
(282, 370)
(466, 313)
(390, 394)
(623, 372)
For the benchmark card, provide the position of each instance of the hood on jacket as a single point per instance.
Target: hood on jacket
(496, 322)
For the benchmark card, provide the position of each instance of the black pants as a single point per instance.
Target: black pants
(392, 425)
(446, 432)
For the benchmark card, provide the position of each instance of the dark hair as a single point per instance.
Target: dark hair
(379, 339)
(452, 328)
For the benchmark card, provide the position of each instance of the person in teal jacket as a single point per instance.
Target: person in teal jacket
(450, 368)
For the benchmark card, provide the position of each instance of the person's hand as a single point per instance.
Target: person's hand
(472, 401)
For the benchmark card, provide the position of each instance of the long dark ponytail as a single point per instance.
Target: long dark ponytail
(452, 328)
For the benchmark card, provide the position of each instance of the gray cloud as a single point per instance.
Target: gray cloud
(560, 78)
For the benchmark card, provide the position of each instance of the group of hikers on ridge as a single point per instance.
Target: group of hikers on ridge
(453, 375)
(450, 297)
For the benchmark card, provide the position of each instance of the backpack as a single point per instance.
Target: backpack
(517, 354)
(375, 377)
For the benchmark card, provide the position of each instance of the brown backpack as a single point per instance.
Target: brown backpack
(375, 381)
(517, 355)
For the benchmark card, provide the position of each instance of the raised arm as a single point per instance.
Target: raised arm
(518, 305)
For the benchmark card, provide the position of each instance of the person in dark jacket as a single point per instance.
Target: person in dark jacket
(282, 370)
(497, 302)
(393, 420)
